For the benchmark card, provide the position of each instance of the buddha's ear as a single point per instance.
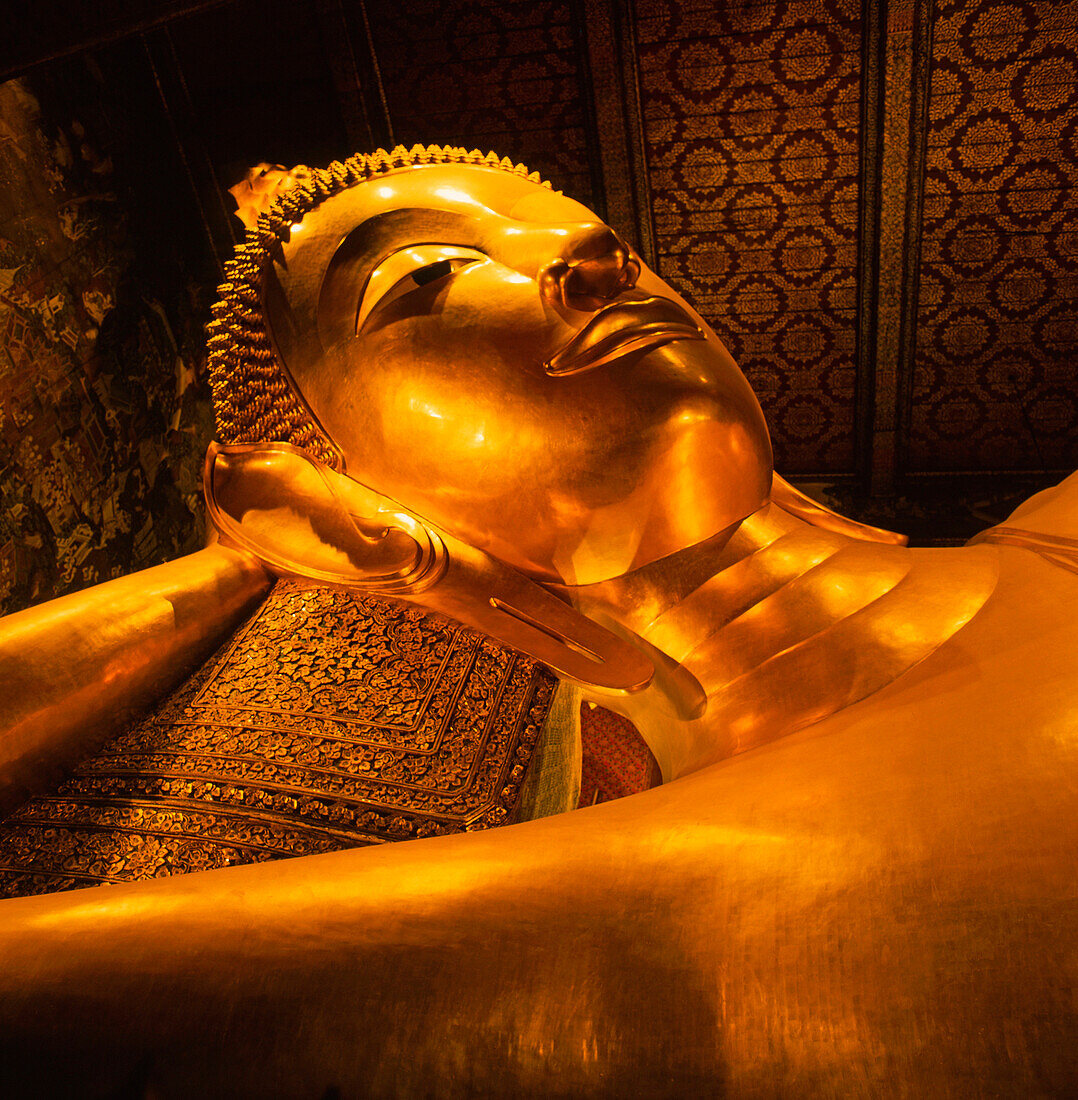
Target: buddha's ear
(303, 519)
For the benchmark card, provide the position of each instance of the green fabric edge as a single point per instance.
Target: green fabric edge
(552, 785)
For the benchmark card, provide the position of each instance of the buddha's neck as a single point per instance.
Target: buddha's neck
(781, 627)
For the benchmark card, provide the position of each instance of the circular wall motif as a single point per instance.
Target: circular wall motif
(753, 213)
(803, 159)
(1020, 289)
(941, 200)
(839, 292)
(768, 383)
(756, 299)
(804, 59)
(1057, 330)
(839, 381)
(752, 116)
(470, 21)
(733, 343)
(804, 339)
(842, 106)
(943, 8)
(696, 71)
(1046, 86)
(1034, 194)
(702, 164)
(802, 255)
(1052, 411)
(1010, 373)
(985, 145)
(964, 332)
(1062, 243)
(745, 19)
(930, 375)
(708, 269)
(839, 209)
(995, 35)
(935, 292)
(973, 245)
(952, 93)
(1068, 142)
(802, 418)
(957, 414)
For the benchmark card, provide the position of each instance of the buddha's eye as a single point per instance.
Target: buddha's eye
(432, 271)
(409, 270)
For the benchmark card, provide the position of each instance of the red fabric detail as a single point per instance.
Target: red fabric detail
(616, 762)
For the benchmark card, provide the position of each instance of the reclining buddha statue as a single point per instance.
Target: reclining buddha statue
(487, 454)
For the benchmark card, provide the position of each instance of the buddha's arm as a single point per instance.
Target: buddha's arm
(74, 670)
(532, 960)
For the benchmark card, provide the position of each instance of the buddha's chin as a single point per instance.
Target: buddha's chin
(700, 482)
(687, 459)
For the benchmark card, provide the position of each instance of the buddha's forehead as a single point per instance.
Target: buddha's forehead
(446, 203)
(470, 191)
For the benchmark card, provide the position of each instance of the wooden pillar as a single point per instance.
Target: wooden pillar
(898, 41)
(611, 79)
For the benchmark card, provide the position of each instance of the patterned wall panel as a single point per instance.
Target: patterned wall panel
(491, 75)
(752, 126)
(997, 335)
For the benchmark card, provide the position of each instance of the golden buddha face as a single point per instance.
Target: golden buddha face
(489, 354)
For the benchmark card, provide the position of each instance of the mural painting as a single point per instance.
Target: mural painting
(103, 418)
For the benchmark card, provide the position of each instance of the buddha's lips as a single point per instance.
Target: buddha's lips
(631, 324)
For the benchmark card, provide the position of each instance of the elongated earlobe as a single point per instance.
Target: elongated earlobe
(302, 519)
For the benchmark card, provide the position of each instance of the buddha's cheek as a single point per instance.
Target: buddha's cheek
(575, 479)
(672, 468)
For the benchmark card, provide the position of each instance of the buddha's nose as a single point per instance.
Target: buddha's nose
(593, 267)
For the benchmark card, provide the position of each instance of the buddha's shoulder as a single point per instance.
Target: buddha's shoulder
(1023, 639)
(1046, 524)
(1052, 511)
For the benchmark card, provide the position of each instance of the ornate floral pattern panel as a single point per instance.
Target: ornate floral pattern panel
(752, 125)
(490, 75)
(327, 722)
(997, 327)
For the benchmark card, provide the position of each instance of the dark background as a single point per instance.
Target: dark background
(872, 202)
